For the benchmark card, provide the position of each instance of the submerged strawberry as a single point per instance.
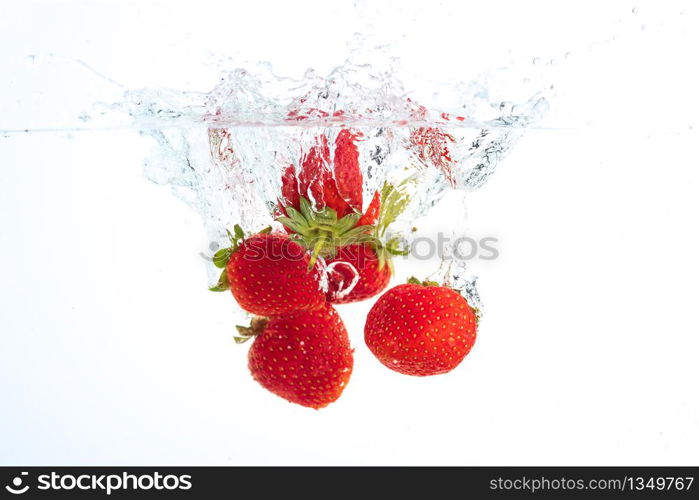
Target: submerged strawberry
(332, 225)
(431, 145)
(370, 260)
(269, 274)
(335, 184)
(303, 356)
(421, 328)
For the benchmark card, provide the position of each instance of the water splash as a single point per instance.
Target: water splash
(457, 275)
(224, 152)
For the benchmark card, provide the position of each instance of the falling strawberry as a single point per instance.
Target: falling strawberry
(269, 274)
(421, 328)
(303, 356)
(371, 259)
(431, 145)
(333, 226)
(335, 184)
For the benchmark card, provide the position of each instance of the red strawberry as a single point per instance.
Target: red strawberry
(348, 174)
(303, 356)
(373, 274)
(432, 147)
(269, 274)
(347, 240)
(336, 185)
(421, 328)
(430, 144)
(332, 226)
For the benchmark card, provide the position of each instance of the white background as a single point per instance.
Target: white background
(113, 352)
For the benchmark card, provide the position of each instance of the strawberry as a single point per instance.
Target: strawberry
(269, 274)
(336, 185)
(421, 328)
(369, 260)
(348, 174)
(302, 356)
(333, 226)
(431, 145)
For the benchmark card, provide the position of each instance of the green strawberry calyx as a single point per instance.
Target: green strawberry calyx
(245, 333)
(322, 232)
(223, 256)
(415, 281)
